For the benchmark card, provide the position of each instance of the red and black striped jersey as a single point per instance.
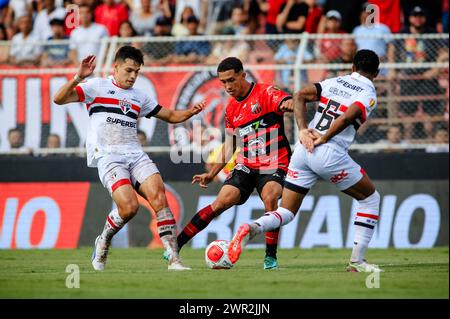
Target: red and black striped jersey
(257, 123)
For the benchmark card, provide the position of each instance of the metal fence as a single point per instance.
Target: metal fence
(412, 87)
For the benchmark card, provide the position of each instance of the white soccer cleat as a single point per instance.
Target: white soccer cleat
(99, 256)
(363, 267)
(177, 265)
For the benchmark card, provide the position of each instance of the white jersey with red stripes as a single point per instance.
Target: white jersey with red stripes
(113, 113)
(336, 95)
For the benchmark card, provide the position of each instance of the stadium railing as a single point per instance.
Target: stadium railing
(412, 88)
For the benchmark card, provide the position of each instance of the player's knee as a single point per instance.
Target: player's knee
(129, 209)
(270, 202)
(159, 201)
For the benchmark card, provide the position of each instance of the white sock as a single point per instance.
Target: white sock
(167, 231)
(365, 221)
(272, 220)
(113, 224)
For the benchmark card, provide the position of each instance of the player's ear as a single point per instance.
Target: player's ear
(243, 74)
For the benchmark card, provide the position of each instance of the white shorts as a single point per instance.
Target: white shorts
(327, 162)
(117, 170)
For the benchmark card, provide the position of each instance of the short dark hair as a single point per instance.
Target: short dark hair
(14, 129)
(366, 61)
(230, 63)
(129, 52)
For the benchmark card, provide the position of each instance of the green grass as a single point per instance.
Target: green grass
(141, 273)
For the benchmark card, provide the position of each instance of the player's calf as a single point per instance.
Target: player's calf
(366, 218)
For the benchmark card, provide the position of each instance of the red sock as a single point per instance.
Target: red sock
(272, 242)
(196, 225)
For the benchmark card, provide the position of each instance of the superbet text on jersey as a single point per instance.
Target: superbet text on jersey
(113, 114)
(257, 123)
(336, 95)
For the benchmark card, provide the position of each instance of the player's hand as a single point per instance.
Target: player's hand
(306, 138)
(202, 180)
(87, 66)
(318, 138)
(198, 107)
(287, 106)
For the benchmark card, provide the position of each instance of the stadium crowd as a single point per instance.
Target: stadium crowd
(23, 22)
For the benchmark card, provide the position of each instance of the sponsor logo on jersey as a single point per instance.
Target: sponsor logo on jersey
(111, 92)
(121, 122)
(257, 146)
(338, 177)
(125, 105)
(256, 108)
(293, 174)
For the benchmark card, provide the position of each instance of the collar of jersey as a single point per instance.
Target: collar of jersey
(114, 82)
(248, 93)
(361, 78)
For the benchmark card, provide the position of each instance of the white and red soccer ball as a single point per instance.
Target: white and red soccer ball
(216, 255)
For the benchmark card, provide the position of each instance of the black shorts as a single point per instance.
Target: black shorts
(247, 179)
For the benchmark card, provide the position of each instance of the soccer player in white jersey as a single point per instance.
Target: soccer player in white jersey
(114, 106)
(345, 103)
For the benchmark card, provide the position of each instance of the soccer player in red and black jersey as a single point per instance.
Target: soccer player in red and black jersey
(254, 122)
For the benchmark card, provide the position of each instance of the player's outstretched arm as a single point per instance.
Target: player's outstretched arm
(67, 93)
(225, 154)
(172, 116)
(352, 113)
(307, 94)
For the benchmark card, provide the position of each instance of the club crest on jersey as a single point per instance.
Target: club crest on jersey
(256, 108)
(125, 106)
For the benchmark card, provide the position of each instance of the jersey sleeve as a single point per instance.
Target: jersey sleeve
(276, 96)
(366, 102)
(88, 90)
(149, 108)
(321, 86)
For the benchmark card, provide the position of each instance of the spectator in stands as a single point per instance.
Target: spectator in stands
(159, 52)
(56, 54)
(126, 30)
(24, 51)
(142, 138)
(292, 17)
(254, 9)
(330, 48)
(41, 27)
(4, 49)
(53, 141)
(15, 138)
(191, 51)
(393, 137)
(15, 10)
(348, 50)
(286, 54)
(272, 11)
(371, 28)
(445, 16)
(199, 9)
(85, 40)
(238, 21)
(432, 11)
(440, 137)
(143, 20)
(180, 28)
(224, 49)
(417, 82)
(111, 15)
(314, 16)
(347, 11)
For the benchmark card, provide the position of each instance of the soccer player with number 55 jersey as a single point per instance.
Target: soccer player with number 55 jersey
(345, 103)
(114, 106)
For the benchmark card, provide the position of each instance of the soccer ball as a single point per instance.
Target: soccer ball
(216, 255)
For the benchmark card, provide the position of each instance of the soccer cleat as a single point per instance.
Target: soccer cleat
(270, 263)
(238, 242)
(99, 256)
(363, 267)
(177, 265)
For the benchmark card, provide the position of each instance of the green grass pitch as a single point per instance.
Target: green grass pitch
(141, 273)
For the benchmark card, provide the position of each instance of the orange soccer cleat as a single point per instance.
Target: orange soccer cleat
(238, 242)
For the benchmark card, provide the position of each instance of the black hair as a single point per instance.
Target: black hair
(133, 30)
(14, 129)
(366, 61)
(230, 63)
(129, 52)
(3, 31)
